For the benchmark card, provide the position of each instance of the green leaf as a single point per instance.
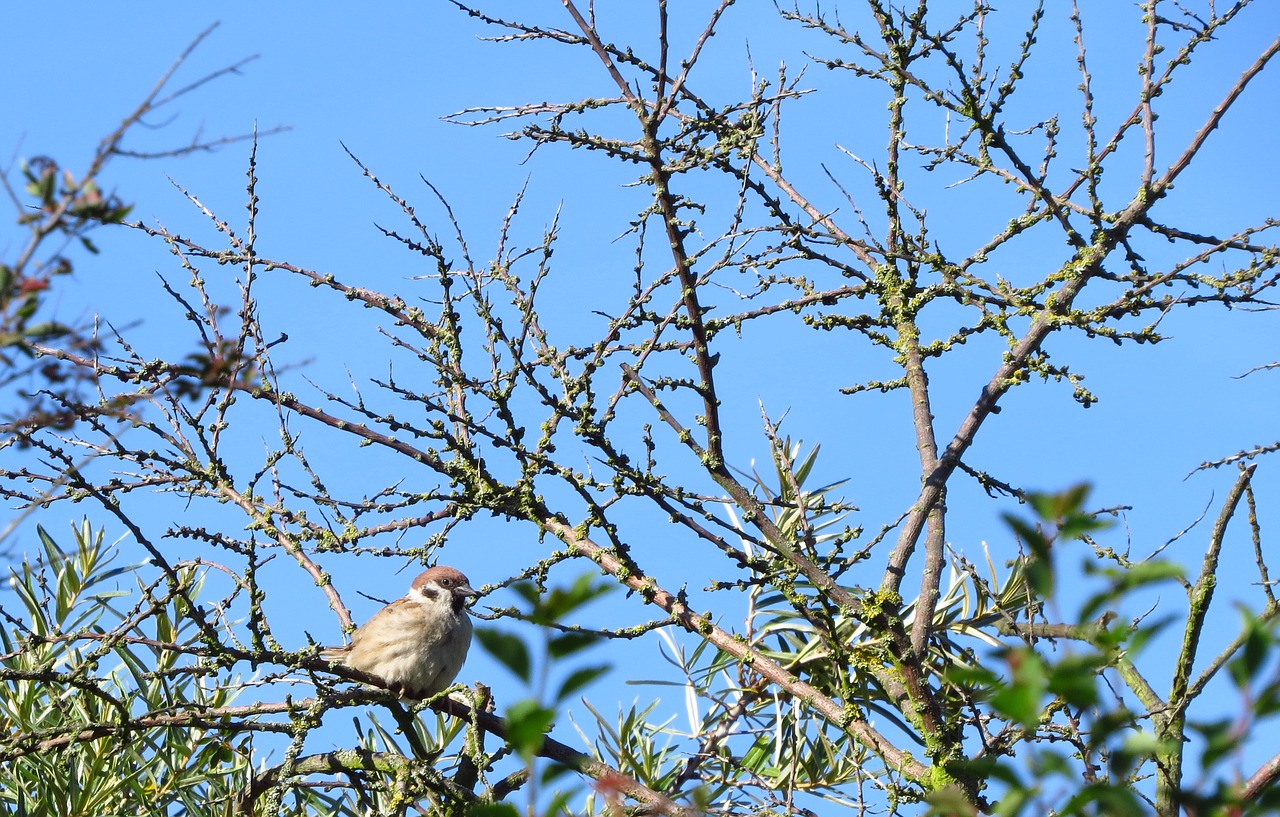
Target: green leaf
(578, 679)
(1074, 679)
(1054, 763)
(1115, 800)
(1221, 739)
(117, 214)
(554, 770)
(1257, 644)
(42, 187)
(977, 681)
(1268, 700)
(559, 804)
(527, 724)
(527, 591)
(1013, 802)
(758, 758)
(1123, 580)
(1137, 747)
(1076, 526)
(562, 601)
(510, 651)
(1039, 565)
(569, 643)
(1019, 699)
(164, 626)
(949, 801)
(1109, 723)
(28, 308)
(1138, 638)
(1062, 505)
(45, 330)
(803, 467)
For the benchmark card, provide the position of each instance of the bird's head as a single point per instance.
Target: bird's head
(442, 585)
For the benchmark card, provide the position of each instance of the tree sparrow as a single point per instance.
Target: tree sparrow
(415, 644)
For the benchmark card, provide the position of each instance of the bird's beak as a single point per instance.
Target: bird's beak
(465, 590)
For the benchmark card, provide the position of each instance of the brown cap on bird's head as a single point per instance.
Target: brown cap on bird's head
(449, 579)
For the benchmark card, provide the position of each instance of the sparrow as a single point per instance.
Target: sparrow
(415, 644)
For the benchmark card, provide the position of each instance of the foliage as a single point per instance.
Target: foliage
(883, 673)
(97, 695)
(528, 720)
(59, 212)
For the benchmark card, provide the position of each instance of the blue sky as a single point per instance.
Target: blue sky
(379, 80)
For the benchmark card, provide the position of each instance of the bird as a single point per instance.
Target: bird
(416, 644)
